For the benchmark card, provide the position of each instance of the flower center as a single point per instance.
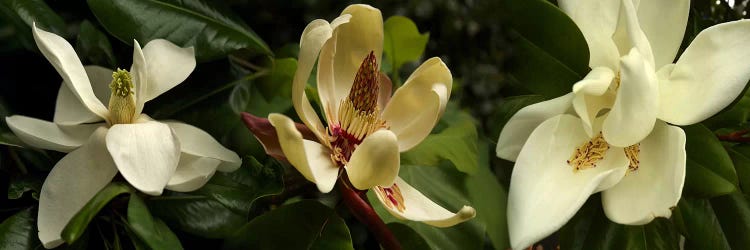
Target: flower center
(393, 197)
(122, 99)
(632, 153)
(587, 155)
(358, 114)
(615, 83)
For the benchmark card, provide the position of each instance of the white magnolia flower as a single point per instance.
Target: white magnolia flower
(102, 141)
(359, 138)
(620, 142)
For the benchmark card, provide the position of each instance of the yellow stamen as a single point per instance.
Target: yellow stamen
(121, 99)
(632, 153)
(587, 155)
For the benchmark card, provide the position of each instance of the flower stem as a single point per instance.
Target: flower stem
(737, 136)
(364, 212)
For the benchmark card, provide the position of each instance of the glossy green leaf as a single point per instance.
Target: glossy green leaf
(19, 231)
(19, 186)
(710, 171)
(457, 144)
(590, 229)
(152, 231)
(278, 81)
(733, 212)
(221, 207)
(77, 225)
(28, 12)
(507, 109)
(94, 46)
(490, 199)
(407, 237)
(402, 43)
(548, 61)
(213, 30)
(447, 187)
(701, 229)
(740, 158)
(301, 225)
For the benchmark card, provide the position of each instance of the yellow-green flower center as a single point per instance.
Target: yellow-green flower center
(122, 98)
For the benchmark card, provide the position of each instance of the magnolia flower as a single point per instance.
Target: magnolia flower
(620, 142)
(102, 141)
(365, 132)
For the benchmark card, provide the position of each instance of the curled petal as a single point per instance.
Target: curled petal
(545, 190)
(707, 70)
(405, 202)
(197, 142)
(417, 106)
(65, 60)
(310, 158)
(375, 162)
(192, 173)
(521, 124)
(168, 65)
(266, 134)
(74, 180)
(46, 135)
(70, 111)
(146, 154)
(661, 167)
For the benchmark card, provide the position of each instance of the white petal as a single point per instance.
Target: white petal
(375, 162)
(315, 34)
(325, 78)
(595, 82)
(634, 112)
(664, 23)
(192, 173)
(417, 207)
(310, 158)
(655, 188)
(168, 65)
(199, 143)
(361, 35)
(597, 20)
(62, 56)
(145, 153)
(74, 180)
(545, 192)
(630, 35)
(521, 124)
(46, 135)
(588, 107)
(416, 106)
(708, 76)
(139, 75)
(70, 111)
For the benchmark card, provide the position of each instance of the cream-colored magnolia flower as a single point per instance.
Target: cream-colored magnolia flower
(102, 141)
(612, 133)
(360, 138)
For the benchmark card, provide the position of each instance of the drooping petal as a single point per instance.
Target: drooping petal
(520, 125)
(139, 75)
(634, 111)
(416, 106)
(664, 24)
(597, 20)
(310, 158)
(70, 111)
(74, 180)
(709, 69)
(197, 142)
(46, 135)
(62, 56)
(192, 173)
(545, 191)
(146, 154)
(315, 34)
(168, 65)
(355, 40)
(266, 134)
(655, 188)
(375, 162)
(405, 202)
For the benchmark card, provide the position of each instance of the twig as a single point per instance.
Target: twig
(362, 210)
(737, 136)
